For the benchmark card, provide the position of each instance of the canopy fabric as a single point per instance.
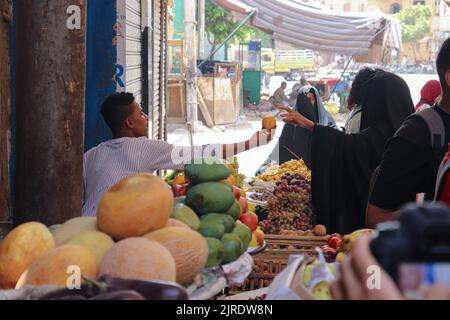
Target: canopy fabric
(320, 29)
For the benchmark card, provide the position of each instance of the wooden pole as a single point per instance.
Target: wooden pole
(201, 29)
(51, 72)
(5, 114)
(191, 62)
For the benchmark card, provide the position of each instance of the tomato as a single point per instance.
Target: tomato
(250, 219)
(236, 192)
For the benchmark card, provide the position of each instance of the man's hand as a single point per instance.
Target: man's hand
(354, 275)
(293, 117)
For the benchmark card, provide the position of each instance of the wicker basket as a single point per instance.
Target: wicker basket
(269, 263)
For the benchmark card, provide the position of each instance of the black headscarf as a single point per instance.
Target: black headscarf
(342, 164)
(298, 140)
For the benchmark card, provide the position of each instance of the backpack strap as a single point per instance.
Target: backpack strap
(443, 169)
(436, 127)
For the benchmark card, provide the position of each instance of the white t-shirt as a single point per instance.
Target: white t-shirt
(114, 160)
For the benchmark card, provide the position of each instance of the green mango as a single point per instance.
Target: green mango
(186, 215)
(233, 247)
(211, 230)
(244, 233)
(235, 210)
(210, 197)
(204, 172)
(216, 252)
(217, 218)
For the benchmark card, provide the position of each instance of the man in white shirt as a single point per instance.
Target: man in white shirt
(131, 152)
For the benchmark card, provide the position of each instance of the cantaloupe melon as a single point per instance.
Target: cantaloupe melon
(98, 242)
(138, 258)
(60, 266)
(135, 206)
(176, 223)
(73, 227)
(188, 247)
(21, 247)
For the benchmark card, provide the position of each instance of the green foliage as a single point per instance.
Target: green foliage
(219, 24)
(416, 22)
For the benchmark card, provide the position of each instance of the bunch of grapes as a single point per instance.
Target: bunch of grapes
(293, 183)
(290, 206)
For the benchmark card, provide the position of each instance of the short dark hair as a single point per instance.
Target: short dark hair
(443, 63)
(116, 108)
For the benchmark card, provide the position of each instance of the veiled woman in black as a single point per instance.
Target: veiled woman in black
(295, 142)
(342, 164)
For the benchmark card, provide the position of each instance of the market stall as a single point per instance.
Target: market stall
(193, 235)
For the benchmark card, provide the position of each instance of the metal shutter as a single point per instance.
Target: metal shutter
(156, 67)
(129, 47)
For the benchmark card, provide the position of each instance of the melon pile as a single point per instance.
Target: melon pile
(133, 237)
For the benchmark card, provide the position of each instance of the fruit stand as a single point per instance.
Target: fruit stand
(187, 236)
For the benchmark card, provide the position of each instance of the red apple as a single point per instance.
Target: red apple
(334, 242)
(244, 204)
(250, 219)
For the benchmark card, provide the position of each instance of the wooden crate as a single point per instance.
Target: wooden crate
(272, 261)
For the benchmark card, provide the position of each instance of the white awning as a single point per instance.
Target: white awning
(320, 29)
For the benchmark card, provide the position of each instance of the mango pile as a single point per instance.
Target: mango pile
(213, 208)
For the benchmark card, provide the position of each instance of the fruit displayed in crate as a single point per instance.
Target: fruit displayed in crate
(244, 204)
(235, 210)
(293, 183)
(175, 223)
(207, 171)
(20, 248)
(233, 247)
(180, 190)
(188, 248)
(250, 219)
(233, 165)
(259, 234)
(216, 252)
(140, 259)
(217, 218)
(97, 242)
(135, 206)
(348, 240)
(244, 233)
(52, 267)
(73, 227)
(212, 230)
(278, 222)
(209, 197)
(274, 173)
(186, 215)
(261, 196)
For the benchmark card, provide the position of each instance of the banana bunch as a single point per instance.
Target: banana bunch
(350, 239)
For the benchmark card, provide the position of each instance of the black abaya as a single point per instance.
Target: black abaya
(342, 164)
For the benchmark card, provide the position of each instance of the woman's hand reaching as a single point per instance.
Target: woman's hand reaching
(293, 117)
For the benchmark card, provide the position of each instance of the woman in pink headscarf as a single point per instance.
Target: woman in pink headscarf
(428, 95)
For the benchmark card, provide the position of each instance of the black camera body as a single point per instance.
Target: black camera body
(421, 235)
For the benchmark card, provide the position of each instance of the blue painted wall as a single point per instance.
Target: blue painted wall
(100, 68)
